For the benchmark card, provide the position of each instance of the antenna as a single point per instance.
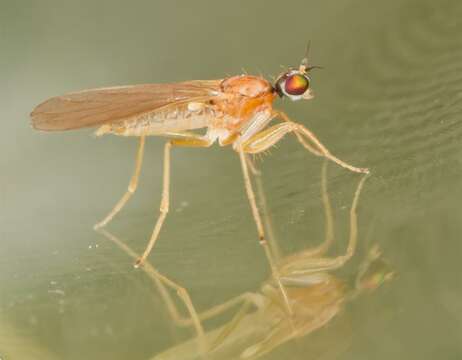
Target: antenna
(304, 67)
(304, 63)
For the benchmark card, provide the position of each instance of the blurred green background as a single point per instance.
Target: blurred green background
(389, 98)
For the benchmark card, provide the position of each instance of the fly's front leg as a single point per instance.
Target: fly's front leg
(187, 140)
(303, 133)
(131, 187)
(263, 140)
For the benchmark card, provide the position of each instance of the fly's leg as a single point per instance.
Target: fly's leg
(188, 140)
(324, 151)
(303, 133)
(253, 169)
(265, 211)
(260, 229)
(131, 187)
(267, 138)
(164, 205)
(217, 310)
(353, 237)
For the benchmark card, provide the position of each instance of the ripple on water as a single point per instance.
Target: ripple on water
(408, 88)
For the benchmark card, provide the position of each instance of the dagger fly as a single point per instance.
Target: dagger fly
(235, 112)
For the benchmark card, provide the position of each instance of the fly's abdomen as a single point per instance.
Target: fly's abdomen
(193, 115)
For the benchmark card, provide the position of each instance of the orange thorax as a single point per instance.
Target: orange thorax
(244, 96)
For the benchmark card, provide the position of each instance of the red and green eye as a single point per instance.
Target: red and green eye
(296, 84)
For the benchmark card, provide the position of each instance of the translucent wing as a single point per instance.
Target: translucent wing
(95, 107)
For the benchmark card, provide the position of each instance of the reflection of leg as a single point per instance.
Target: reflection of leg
(353, 239)
(161, 281)
(268, 224)
(246, 300)
(329, 225)
(231, 325)
(312, 264)
(131, 187)
(277, 336)
(259, 224)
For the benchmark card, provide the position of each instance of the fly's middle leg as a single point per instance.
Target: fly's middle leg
(164, 205)
(186, 140)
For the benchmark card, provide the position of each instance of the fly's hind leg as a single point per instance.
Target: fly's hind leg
(181, 139)
(131, 187)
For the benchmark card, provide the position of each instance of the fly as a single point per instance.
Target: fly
(235, 111)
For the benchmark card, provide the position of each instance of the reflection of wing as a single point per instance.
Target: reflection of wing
(107, 105)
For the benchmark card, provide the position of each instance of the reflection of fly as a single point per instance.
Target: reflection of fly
(235, 111)
(260, 322)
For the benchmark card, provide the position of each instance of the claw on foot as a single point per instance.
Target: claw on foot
(98, 226)
(138, 263)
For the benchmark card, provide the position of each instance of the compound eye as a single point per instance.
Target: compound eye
(296, 84)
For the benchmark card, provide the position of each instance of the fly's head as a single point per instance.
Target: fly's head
(295, 83)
